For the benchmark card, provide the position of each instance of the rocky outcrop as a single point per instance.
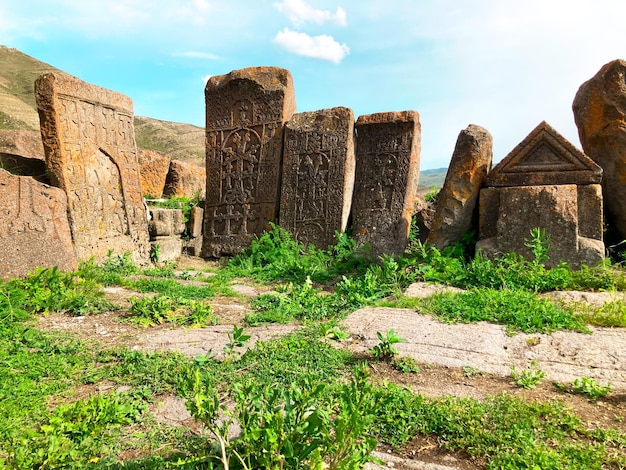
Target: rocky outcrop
(185, 179)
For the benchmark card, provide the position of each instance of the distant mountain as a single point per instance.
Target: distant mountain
(18, 110)
(430, 178)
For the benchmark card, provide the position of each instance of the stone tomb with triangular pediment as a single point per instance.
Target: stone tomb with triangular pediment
(545, 182)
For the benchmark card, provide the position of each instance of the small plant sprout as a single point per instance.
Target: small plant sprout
(527, 378)
(155, 253)
(385, 350)
(471, 371)
(407, 365)
(538, 244)
(591, 388)
(236, 339)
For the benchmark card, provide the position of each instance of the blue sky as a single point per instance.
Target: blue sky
(505, 65)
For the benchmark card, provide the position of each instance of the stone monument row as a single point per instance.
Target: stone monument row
(313, 173)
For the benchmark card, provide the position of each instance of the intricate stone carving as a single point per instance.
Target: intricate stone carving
(318, 175)
(387, 176)
(245, 113)
(89, 142)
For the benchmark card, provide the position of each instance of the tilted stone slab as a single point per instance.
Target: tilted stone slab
(318, 175)
(456, 211)
(600, 114)
(387, 176)
(544, 157)
(34, 230)
(245, 113)
(89, 141)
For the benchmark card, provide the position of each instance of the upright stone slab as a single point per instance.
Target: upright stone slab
(245, 113)
(34, 230)
(456, 212)
(387, 176)
(89, 141)
(318, 175)
(546, 183)
(600, 114)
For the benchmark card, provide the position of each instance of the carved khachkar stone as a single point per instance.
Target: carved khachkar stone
(245, 113)
(318, 175)
(153, 168)
(545, 183)
(89, 141)
(456, 211)
(185, 179)
(387, 176)
(600, 114)
(34, 230)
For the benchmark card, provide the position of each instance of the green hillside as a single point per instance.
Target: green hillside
(18, 110)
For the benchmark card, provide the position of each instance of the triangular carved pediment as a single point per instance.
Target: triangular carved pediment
(544, 157)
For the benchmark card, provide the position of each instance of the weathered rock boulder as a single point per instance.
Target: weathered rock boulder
(600, 114)
(153, 169)
(456, 210)
(34, 229)
(21, 153)
(185, 179)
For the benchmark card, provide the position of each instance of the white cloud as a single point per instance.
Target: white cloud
(298, 12)
(319, 47)
(197, 55)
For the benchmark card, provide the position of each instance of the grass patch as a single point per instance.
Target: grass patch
(518, 310)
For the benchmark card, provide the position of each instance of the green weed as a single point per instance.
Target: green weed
(610, 314)
(152, 311)
(527, 378)
(385, 350)
(295, 427)
(591, 388)
(406, 365)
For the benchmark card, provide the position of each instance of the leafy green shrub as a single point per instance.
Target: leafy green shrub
(113, 271)
(48, 290)
(294, 427)
(276, 255)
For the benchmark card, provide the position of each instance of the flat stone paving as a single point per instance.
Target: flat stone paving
(563, 356)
